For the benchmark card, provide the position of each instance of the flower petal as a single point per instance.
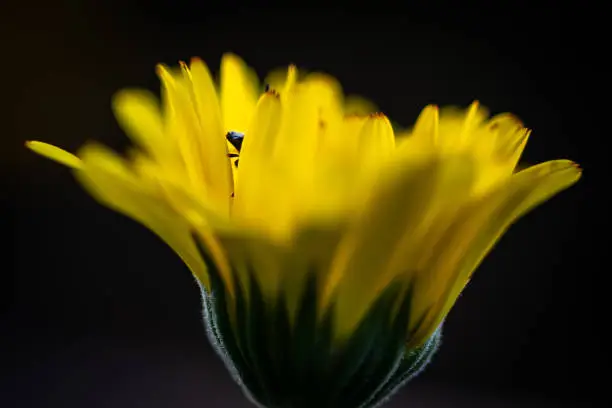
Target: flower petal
(258, 198)
(376, 140)
(511, 138)
(282, 79)
(357, 105)
(424, 134)
(262, 137)
(216, 165)
(194, 118)
(459, 128)
(54, 153)
(239, 93)
(106, 177)
(280, 269)
(391, 232)
(427, 124)
(138, 113)
(474, 233)
(182, 124)
(297, 137)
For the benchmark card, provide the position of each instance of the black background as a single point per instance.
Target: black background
(97, 312)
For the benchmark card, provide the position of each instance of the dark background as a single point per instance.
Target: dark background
(97, 312)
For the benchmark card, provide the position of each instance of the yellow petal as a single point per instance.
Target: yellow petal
(195, 208)
(357, 105)
(427, 125)
(239, 93)
(474, 233)
(327, 96)
(376, 140)
(350, 132)
(105, 176)
(183, 125)
(511, 138)
(256, 147)
(252, 256)
(423, 136)
(474, 116)
(391, 233)
(216, 165)
(138, 113)
(312, 252)
(280, 269)
(54, 153)
(299, 130)
(457, 128)
(275, 79)
(264, 197)
(282, 79)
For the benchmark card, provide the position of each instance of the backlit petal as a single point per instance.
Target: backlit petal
(474, 233)
(376, 140)
(212, 142)
(138, 113)
(254, 192)
(55, 153)
(392, 232)
(357, 105)
(239, 93)
(299, 128)
(105, 176)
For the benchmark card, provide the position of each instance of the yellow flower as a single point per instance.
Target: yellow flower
(175, 153)
(325, 207)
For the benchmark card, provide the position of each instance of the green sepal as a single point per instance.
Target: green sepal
(411, 364)
(280, 364)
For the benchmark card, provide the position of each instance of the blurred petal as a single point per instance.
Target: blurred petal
(376, 140)
(105, 176)
(299, 127)
(282, 79)
(510, 138)
(138, 113)
(391, 232)
(327, 96)
(55, 153)
(458, 128)
(349, 136)
(255, 154)
(216, 165)
(474, 233)
(427, 125)
(423, 136)
(239, 93)
(280, 269)
(357, 105)
(183, 125)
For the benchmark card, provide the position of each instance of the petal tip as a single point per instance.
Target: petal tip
(162, 71)
(578, 169)
(231, 57)
(54, 153)
(272, 92)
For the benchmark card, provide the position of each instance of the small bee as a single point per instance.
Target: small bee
(236, 139)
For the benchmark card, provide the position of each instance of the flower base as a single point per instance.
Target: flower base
(284, 365)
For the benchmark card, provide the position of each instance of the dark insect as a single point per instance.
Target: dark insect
(235, 138)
